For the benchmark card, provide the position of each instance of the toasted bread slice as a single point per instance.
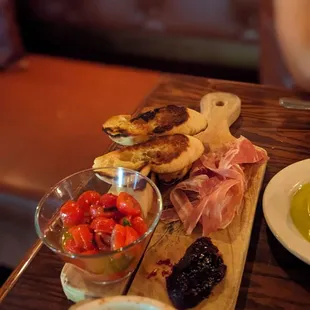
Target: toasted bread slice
(167, 120)
(172, 177)
(164, 154)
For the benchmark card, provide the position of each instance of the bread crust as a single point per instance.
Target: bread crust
(164, 154)
(166, 120)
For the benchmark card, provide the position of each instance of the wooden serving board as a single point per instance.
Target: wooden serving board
(170, 242)
(221, 110)
(233, 242)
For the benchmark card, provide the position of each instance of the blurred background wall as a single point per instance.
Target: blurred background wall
(216, 38)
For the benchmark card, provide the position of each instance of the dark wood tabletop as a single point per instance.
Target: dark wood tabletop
(273, 278)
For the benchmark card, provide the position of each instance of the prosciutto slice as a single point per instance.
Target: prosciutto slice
(218, 182)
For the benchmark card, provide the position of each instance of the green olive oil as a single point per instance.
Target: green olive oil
(300, 210)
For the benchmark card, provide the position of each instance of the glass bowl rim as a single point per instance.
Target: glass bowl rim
(100, 254)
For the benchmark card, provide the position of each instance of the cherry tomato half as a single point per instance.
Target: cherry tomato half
(103, 224)
(118, 237)
(71, 214)
(98, 210)
(87, 199)
(118, 216)
(82, 236)
(128, 205)
(108, 200)
(106, 238)
(126, 220)
(139, 225)
(103, 241)
(131, 235)
(70, 246)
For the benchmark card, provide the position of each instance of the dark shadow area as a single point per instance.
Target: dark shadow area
(296, 269)
(236, 127)
(4, 274)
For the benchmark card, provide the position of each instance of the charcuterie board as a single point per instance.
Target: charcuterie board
(233, 242)
(169, 242)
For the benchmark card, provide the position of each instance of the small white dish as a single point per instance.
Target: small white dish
(121, 303)
(276, 208)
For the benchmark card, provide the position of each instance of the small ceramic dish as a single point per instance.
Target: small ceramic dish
(276, 208)
(121, 303)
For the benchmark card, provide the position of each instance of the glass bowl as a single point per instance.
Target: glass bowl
(103, 267)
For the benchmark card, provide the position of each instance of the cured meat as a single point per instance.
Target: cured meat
(219, 183)
(180, 200)
(243, 152)
(195, 275)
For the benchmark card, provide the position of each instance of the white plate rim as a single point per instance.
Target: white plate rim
(303, 253)
(121, 299)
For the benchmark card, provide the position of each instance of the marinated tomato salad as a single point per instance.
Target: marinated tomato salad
(98, 223)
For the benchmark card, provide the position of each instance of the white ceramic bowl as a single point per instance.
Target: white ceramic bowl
(121, 303)
(276, 208)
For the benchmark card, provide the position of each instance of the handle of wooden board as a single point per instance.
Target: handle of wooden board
(221, 110)
(220, 106)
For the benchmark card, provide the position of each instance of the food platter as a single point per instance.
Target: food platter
(169, 242)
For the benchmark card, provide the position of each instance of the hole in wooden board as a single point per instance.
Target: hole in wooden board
(220, 104)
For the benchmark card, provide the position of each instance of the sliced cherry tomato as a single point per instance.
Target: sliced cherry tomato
(103, 224)
(103, 241)
(90, 252)
(118, 237)
(131, 235)
(118, 216)
(139, 225)
(82, 236)
(128, 205)
(98, 210)
(71, 214)
(109, 211)
(108, 200)
(87, 220)
(106, 238)
(70, 246)
(126, 220)
(87, 199)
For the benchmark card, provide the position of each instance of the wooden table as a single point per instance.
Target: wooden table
(52, 115)
(273, 278)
